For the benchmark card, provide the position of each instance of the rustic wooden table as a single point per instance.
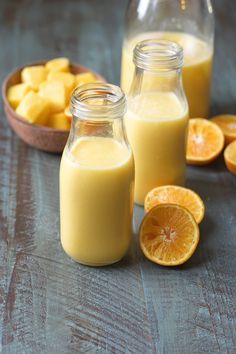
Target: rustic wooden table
(48, 303)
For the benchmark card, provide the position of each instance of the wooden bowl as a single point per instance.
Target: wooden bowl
(38, 136)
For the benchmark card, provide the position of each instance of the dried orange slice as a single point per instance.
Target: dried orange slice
(176, 195)
(230, 157)
(168, 234)
(205, 141)
(227, 123)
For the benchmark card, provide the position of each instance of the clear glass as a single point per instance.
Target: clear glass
(190, 23)
(157, 116)
(97, 178)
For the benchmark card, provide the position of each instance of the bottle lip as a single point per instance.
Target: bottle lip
(158, 55)
(98, 100)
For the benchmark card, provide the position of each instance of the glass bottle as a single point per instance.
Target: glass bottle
(190, 23)
(96, 178)
(157, 116)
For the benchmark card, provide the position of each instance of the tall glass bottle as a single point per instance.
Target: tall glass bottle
(96, 178)
(157, 116)
(190, 23)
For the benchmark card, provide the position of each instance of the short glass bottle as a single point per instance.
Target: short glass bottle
(157, 116)
(190, 23)
(97, 178)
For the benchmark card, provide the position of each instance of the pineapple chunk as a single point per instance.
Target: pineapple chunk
(58, 64)
(67, 79)
(55, 92)
(16, 93)
(34, 75)
(85, 78)
(68, 113)
(33, 108)
(58, 121)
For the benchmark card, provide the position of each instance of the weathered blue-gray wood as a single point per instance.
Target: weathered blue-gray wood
(48, 303)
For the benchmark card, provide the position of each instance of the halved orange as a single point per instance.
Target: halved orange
(168, 234)
(176, 195)
(227, 123)
(205, 141)
(230, 157)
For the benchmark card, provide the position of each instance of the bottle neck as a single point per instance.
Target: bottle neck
(98, 101)
(150, 81)
(107, 128)
(158, 68)
(97, 111)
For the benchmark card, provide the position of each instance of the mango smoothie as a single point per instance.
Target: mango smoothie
(96, 204)
(158, 139)
(196, 69)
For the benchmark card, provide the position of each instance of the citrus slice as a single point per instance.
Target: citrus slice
(205, 141)
(168, 235)
(227, 123)
(176, 195)
(230, 157)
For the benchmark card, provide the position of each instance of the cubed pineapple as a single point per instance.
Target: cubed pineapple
(67, 79)
(85, 78)
(33, 108)
(34, 75)
(55, 92)
(16, 93)
(58, 64)
(58, 121)
(68, 113)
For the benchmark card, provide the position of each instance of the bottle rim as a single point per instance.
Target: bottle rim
(98, 100)
(158, 55)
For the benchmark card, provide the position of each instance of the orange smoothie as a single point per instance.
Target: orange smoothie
(156, 126)
(196, 69)
(96, 200)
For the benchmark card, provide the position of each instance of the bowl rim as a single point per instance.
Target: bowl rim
(16, 116)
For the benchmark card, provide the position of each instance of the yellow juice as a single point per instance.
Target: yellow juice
(96, 200)
(156, 126)
(196, 69)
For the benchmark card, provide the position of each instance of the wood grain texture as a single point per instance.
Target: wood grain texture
(48, 303)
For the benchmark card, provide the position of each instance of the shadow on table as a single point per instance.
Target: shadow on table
(207, 231)
(206, 171)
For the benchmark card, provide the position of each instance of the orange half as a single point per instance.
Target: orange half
(230, 157)
(168, 235)
(227, 123)
(205, 141)
(176, 195)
